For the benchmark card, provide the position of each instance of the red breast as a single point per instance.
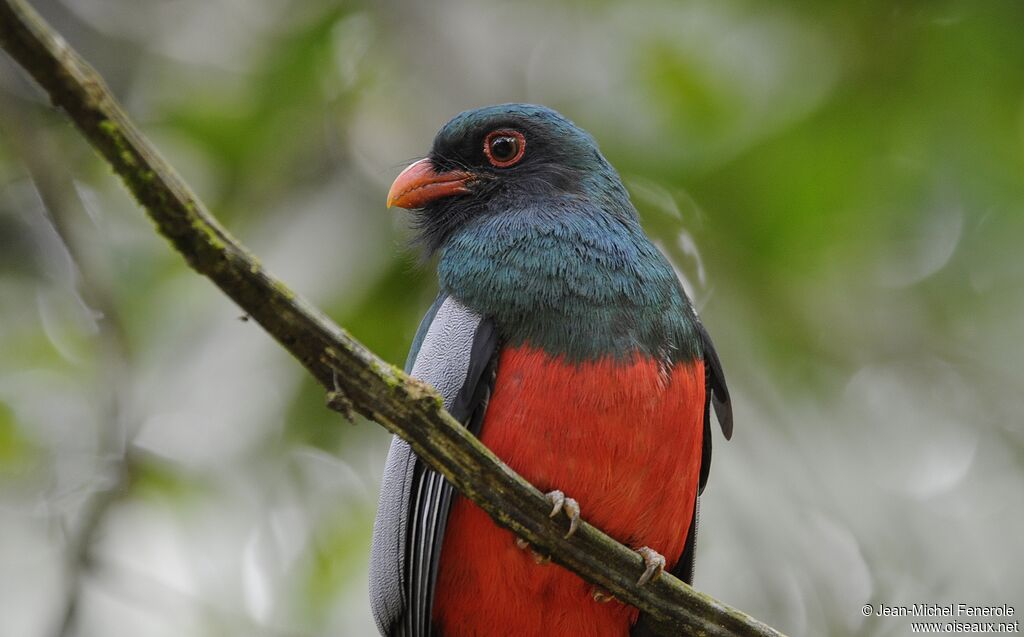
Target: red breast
(623, 438)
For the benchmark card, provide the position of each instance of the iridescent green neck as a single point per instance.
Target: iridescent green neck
(572, 280)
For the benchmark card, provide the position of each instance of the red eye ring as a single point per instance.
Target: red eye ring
(495, 147)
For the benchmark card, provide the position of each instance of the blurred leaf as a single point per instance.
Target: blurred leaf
(386, 317)
(17, 453)
(385, 320)
(157, 480)
(338, 555)
(698, 106)
(267, 133)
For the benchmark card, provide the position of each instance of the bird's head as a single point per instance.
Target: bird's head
(501, 159)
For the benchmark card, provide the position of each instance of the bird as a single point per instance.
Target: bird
(563, 339)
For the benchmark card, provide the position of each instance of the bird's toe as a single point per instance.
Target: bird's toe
(537, 557)
(654, 563)
(557, 500)
(571, 507)
(572, 511)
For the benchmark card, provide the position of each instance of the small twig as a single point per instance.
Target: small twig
(336, 398)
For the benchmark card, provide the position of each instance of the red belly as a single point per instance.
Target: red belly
(624, 439)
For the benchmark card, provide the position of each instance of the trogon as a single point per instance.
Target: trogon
(563, 339)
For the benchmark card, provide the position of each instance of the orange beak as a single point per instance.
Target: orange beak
(419, 184)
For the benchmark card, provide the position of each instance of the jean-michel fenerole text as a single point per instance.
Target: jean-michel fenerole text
(944, 610)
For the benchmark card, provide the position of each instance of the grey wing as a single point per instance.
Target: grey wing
(454, 351)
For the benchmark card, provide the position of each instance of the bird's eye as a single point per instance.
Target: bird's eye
(504, 148)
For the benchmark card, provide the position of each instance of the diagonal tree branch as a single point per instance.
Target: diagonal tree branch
(355, 377)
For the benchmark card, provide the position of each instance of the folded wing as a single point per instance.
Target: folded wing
(454, 350)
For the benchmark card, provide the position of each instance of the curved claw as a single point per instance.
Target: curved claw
(600, 595)
(654, 563)
(537, 557)
(561, 503)
(557, 500)
(572, 511)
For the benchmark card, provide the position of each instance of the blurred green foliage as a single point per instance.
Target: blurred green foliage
(840, 185)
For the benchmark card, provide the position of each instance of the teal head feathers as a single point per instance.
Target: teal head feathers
(534, 228)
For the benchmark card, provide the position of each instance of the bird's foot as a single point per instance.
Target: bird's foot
(600, 595)
(654, 563)
(561, 503)
(537, 557)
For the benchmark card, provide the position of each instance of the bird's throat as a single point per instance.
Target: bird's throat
(575, 285)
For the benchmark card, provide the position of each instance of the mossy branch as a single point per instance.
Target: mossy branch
(357, 380)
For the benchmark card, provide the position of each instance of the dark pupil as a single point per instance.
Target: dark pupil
(504, 148)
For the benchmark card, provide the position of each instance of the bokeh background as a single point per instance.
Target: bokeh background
(841, 186)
